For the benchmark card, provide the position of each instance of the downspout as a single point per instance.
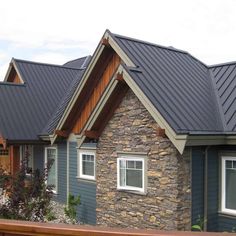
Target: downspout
(205, 188)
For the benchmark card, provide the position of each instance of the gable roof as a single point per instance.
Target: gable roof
(27, 108)
(178, 85)
(178, 89)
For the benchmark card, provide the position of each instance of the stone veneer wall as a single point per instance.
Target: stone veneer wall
(167, 204)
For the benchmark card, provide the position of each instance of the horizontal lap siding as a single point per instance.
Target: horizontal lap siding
(38, 157)
(213, 190)
(87, 190)
(227, 223)
(197, 184)
(61, 172)
(87, 209)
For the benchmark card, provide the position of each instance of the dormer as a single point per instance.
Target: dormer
(12, 75)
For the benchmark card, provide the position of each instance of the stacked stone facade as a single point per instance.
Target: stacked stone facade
(167, 203)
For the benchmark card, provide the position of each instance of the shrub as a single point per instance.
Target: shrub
(70, 210)
(28, 196)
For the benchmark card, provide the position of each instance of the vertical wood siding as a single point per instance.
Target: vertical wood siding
(96, 94)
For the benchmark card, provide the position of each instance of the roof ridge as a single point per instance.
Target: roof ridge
(45, 64)
(171, 48)
(76, 59)
(222, 64)
(218, 106)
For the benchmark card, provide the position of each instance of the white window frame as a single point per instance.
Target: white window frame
(81, 175)
(223, 184)
(131, 188)
(56, 165)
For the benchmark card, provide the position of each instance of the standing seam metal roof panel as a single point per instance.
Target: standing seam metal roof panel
(224, 77)
(177, 84)
(28, 108)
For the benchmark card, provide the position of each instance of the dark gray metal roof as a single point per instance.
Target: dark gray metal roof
(224, 80)
(53, 121)
(80, 63)
(176, 83)
(27, 108)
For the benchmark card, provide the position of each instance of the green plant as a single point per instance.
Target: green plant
(27, 201)
(199, 226)
(70, 210)
(50, 216)
(233, 229)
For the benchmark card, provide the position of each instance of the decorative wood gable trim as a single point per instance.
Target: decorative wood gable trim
(178, 140)
(107, 40)
(13, 75)
(96, 93)
(95, 119)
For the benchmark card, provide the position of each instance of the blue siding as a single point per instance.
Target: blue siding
(215, 220)
(86, 189)
(227, 223)
(197, 184)
(213, 190)
(87, 209)
(62, 172)
(38, 157)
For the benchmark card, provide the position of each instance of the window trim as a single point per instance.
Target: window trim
(223, 185)
(131, 188)
(81, 175)
(56, 166)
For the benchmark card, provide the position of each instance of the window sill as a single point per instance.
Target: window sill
(132, 191)
(85, 179)
(227, 214)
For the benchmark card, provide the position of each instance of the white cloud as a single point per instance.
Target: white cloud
(54, 58)
(3, 70)
(71, 27)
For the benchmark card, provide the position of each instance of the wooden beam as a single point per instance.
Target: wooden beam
(105, 42)
(161, 132)
(62, 133)
(119, 77)
(91, 134)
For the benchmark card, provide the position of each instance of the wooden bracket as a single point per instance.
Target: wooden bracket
(62, 133)
(91, 134)
(161, 132)
(119, 77)
(105, 42)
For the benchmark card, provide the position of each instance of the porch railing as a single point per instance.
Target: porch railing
(17, 228)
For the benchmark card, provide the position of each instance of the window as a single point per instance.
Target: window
(4, 152)
(51, 157)
(228, 192)
(87, 165)
(130, 173)
(26, 156)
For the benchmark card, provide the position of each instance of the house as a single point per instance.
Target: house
(145, 134)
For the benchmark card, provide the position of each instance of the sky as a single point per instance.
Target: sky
(56, 31)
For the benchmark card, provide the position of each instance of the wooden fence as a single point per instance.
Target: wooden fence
(17, 228)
